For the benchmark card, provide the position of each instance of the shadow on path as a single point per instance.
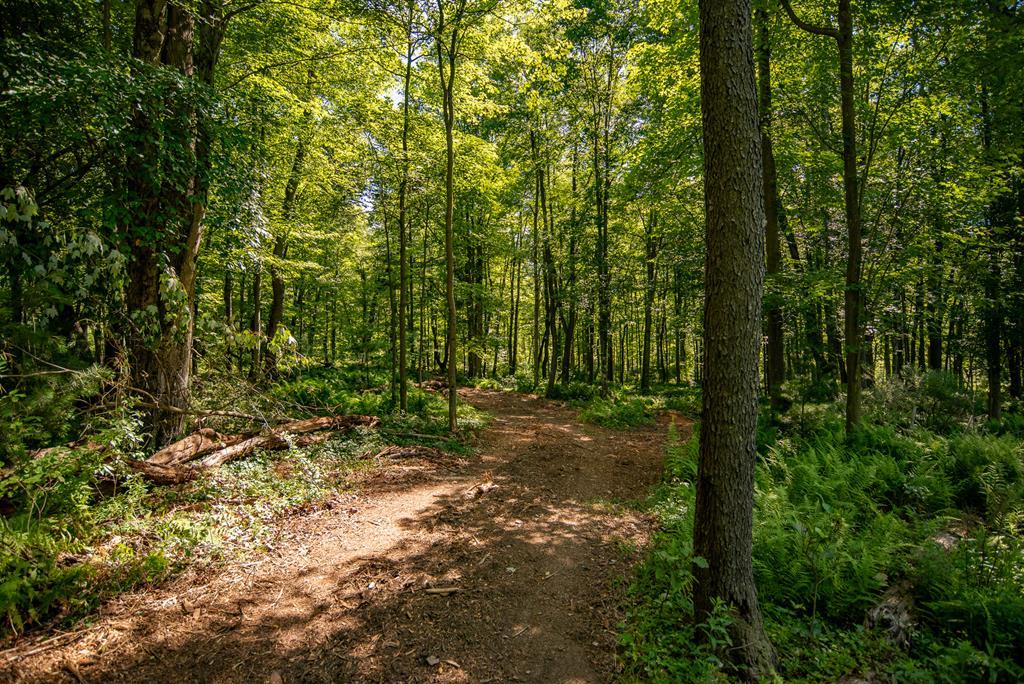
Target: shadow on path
(504, 569)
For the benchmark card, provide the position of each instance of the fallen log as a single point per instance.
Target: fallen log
(271, 442)
(176, 463)
(163, 474)
(195, 445)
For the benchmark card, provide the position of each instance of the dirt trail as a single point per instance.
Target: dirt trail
(528, 534)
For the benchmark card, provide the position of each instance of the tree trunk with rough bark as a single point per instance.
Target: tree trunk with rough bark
(734, 277)
(168, 206)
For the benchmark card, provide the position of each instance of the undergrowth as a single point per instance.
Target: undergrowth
(78, 525)
(894, 556)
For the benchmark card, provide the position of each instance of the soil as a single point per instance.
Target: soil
(508, 566)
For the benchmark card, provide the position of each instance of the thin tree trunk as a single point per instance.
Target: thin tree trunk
(403, 371)
(277, 284)
(775, 369)
(650, 263)
(853, 296)
(447, 89)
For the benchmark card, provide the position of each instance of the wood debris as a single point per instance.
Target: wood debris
(206, 449)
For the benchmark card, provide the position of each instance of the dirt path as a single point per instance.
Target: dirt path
(528, 534)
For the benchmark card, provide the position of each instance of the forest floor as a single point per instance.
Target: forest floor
(507, 566)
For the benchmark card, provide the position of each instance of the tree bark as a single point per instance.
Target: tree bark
(853, 296)
(277, 283)
(650, 262)
(734, 281)
(168, 207)
(775, 358)
(403, 370)
(447, 58)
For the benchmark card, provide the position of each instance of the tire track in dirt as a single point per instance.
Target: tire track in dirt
(529, 538)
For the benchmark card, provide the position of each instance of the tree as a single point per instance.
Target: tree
(452, 22)
(842, 33)
(168, 187)
(775, 355)
(734, 282)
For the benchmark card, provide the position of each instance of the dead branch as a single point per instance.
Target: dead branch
(168, 466)
(409, 452)
(197, 444)
(163, 474)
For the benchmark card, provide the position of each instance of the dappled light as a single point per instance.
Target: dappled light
(498, 567)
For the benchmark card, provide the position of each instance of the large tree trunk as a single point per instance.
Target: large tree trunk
(168, 208)
(734, 277)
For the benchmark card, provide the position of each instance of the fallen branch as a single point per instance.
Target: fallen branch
(176, 463)
(163, 474)
(345, 423)
(195, 445)
(433, 385)
(478, 490)
(409, 452)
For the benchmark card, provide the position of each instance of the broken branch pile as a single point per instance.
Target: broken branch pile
(206, 448)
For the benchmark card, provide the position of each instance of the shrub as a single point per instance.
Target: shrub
(616, 414)
(686, 400)
(574, 391)
(660, 640)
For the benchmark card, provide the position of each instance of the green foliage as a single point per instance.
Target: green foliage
(574, 391)
(987, 473)
(42, 411)
(79, 526)
(935, 400)
(617, 413)
(687, 400)
(839, 524)
(974, 593)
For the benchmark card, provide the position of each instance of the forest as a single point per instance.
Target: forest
(512, 340)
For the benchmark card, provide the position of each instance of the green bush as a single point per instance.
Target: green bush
(617, 414)
(574, 391)
(686, 400)
(660, 641)
(839, 523)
